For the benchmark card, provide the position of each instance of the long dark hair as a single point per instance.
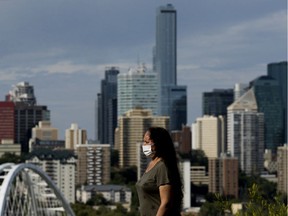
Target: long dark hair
(164, 148)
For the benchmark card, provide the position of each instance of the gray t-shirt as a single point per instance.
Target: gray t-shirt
(148, 189)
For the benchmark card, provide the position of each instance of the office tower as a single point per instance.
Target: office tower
(74, 135)
(107, 106)
(93, 164)
(269, 102)
(239, 90)
(245, 133)
(45, 136)
(60, 166)
(130, 132)
(282, 162)
(137, 88)
(27, 113)
(223, 175)
(7, 125)
(209, 135)
(182, 139)
(172, 98)
(216, 102)
(279, 72)
(26, 117)
(199, 175)
(22, 92)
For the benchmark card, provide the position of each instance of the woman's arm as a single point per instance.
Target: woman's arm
(165, 196)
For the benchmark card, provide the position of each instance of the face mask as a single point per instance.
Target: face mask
(147, 150)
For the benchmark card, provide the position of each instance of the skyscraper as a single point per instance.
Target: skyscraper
(137, 88)
(107, 106)
(27, 113)
(130, 131)
(269, 102)
(172, 98)
(216, 102)
(245, 133)
(279, 72)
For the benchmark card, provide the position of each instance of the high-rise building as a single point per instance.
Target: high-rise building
(93, 164)
(223, 175)
(27, 113)
(107, 107)
(74, 135)
(26, 117)
(7, 122)
(216, 102)
(22, 92)
(246, 133)
(137, 88)
(60, 166)
(279, 72)
(269, 102)
(282, 162)
(209, 135)
(172, 98)
(130, 132)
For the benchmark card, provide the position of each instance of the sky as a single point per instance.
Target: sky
(62, 48)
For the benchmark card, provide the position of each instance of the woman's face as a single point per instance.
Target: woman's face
(148, 141)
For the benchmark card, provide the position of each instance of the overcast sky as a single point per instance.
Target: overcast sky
(62, 47)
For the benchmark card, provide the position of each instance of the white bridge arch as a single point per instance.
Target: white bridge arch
(26, 190)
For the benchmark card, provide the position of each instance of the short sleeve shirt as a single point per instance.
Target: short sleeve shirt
(148, 189)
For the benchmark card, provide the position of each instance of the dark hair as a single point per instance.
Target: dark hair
(164, 148)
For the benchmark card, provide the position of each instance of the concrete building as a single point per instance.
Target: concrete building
(137, 88)
(130, 132)
(282, 171)
(74, 135)
(246, 133)
(8, 146)
(223, 175)
(43, 132)
(93, 164)
(113, 193)
(209, 135)
(199, 175)
(60, 166)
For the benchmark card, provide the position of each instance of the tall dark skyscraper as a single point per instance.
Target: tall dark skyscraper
(279, 72)
(172, 98)
(107, 107)
(269, 102)
(216, 102)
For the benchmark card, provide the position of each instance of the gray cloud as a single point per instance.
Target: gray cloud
(62, 47)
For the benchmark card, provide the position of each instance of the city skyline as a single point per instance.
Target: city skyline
(62, 48)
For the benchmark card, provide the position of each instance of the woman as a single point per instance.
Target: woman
(160, 188)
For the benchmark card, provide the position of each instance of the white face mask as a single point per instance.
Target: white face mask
(147, 150)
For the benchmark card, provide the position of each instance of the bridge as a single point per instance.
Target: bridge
(25, 189)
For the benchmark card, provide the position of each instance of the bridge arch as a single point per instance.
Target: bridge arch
(22, 174)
